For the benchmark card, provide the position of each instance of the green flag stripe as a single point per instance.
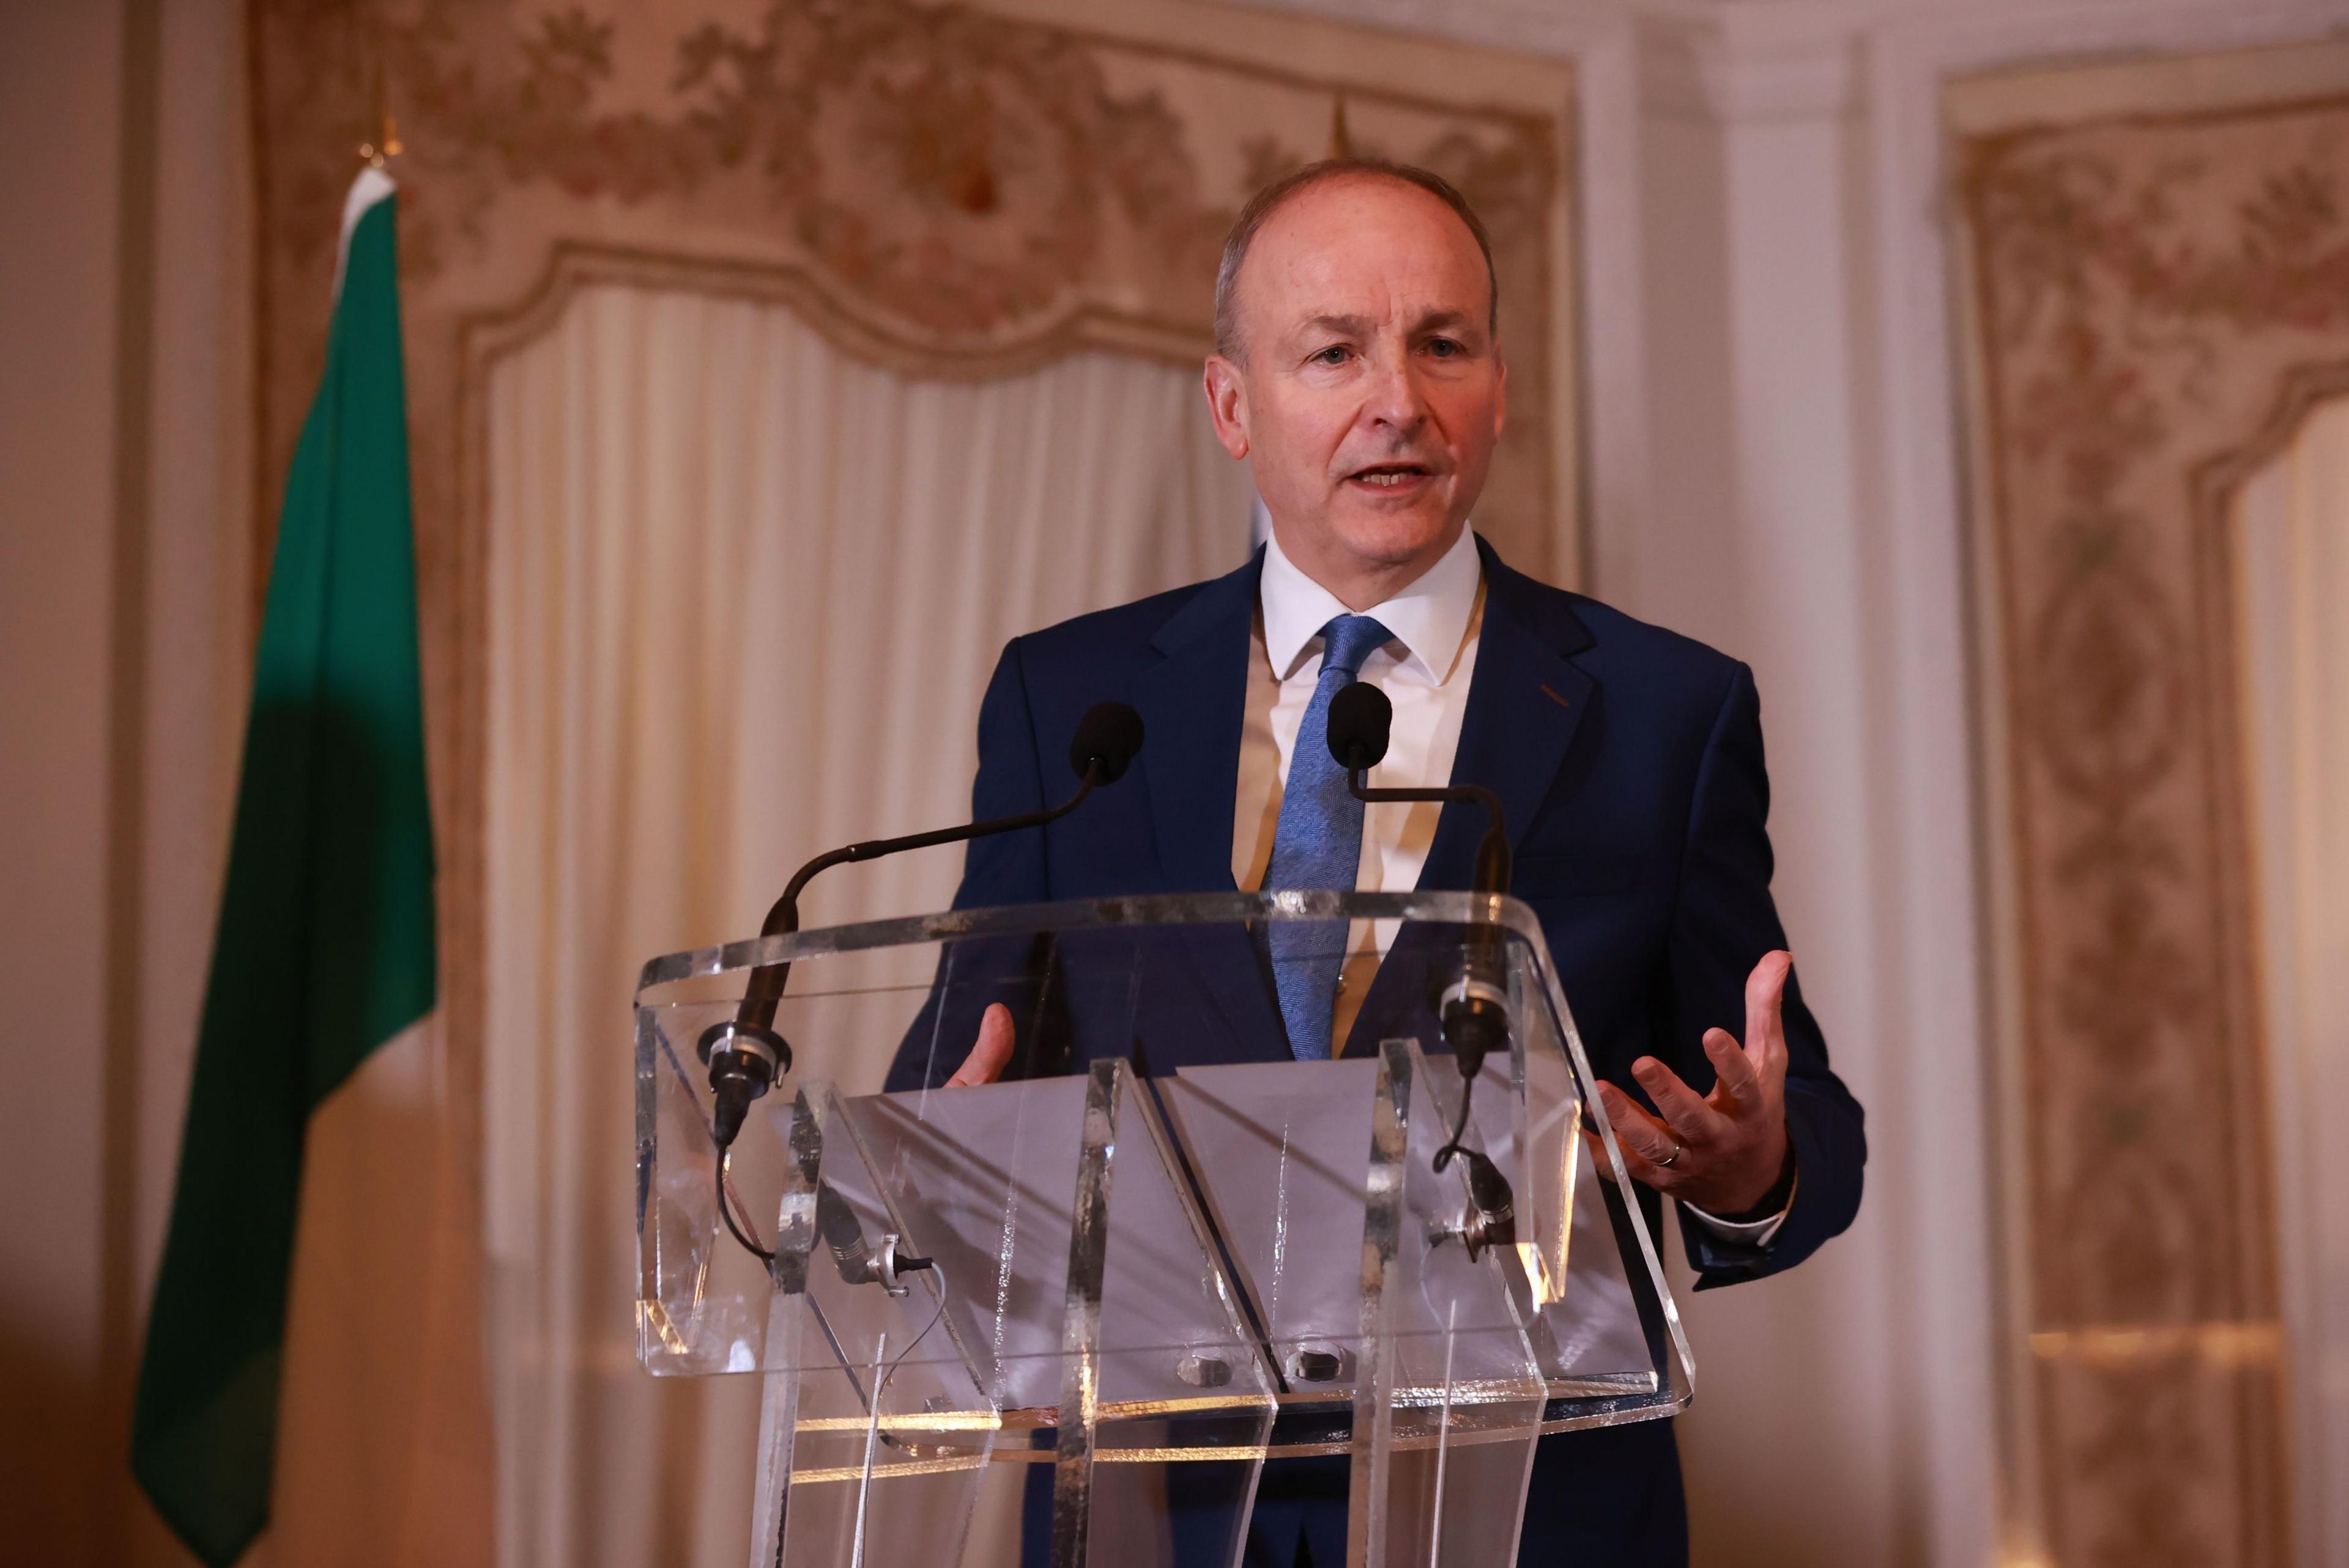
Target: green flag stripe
(325, 948)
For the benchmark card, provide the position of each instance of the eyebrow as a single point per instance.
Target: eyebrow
(1362, 326)
(1439, 318)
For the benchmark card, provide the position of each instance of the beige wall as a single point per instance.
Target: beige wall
(122, 602)
(57, 445)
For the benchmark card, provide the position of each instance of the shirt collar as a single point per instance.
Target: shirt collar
(1429, 618)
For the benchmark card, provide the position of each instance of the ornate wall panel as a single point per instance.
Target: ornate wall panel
(2160, 279)
(949, 190)
(952, 191)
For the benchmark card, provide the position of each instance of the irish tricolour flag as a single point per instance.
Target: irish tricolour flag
(324, 957)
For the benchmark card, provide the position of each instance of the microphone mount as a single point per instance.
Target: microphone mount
(1475, 1009)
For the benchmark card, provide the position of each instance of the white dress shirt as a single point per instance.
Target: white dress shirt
(1424, 669)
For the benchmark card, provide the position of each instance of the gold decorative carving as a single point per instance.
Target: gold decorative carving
(2145, 290)
(963, 192)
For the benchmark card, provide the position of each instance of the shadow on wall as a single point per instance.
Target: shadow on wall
(54, 1429)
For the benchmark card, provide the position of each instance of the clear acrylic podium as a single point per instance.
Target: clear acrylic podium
(1162, 1257)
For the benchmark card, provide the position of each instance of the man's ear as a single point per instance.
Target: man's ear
(1227, 405)
(1500, 389)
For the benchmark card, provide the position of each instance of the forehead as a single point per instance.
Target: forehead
(1361, 245)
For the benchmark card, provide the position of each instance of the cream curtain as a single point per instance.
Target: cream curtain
(744, 595)
(2292, 540)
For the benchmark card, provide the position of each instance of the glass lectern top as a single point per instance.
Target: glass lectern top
(1225, 1250)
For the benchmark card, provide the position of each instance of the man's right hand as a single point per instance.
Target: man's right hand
(990, 1053)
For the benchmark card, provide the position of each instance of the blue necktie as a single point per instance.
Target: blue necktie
(1317, 845)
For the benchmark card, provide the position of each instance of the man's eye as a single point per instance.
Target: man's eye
(1334, 354)
(1444, 348)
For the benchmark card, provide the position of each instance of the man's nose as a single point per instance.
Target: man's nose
(1396, 400)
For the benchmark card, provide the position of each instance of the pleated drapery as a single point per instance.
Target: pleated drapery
(2292, 581)
(745, 594)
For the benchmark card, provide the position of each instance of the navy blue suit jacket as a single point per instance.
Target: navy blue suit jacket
(1629, 760)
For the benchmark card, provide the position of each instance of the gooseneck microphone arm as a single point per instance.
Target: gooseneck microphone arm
(1360, 721)
(745, 1055)
(765, 989)
(1492, 874)
(1475, 1009)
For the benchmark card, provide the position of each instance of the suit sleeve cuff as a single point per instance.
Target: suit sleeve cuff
(1748, 1233)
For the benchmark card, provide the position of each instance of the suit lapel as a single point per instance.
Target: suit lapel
(1526, 701)
(1192, 702)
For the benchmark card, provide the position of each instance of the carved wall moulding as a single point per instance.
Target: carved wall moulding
(956, 192)
(2151, 278)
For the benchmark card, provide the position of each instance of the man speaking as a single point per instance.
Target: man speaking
(1358, 370)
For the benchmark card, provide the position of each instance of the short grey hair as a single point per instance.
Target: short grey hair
(1272, 198)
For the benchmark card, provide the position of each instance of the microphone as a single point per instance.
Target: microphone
(1474, 1008)
(744, 1053)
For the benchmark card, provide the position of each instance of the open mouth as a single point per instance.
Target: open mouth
(1392, 476)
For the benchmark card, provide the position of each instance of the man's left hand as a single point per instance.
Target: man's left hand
(1723, 1151)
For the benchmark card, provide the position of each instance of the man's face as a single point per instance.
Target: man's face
(1369, 393)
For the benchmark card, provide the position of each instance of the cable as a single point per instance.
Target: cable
(940, 1311)
(931, 1265)
(1459, 1130)
(726, 1210)
(1491, 1219)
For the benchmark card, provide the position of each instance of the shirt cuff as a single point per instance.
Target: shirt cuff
(1748, 1233)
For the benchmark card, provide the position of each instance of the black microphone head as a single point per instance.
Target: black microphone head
(1109, 734)
(1359, 717)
